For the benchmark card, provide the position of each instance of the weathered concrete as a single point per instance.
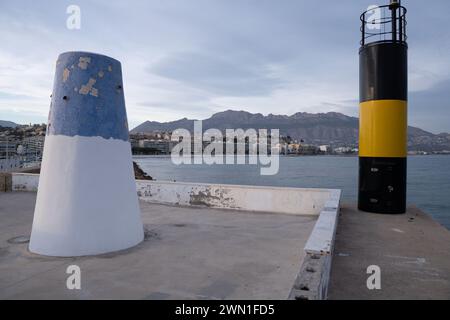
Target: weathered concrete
(5, 182)
(322, 237)
(25, 181)
(412, 250)
(191, 253)
(303, 201)
(314, 277)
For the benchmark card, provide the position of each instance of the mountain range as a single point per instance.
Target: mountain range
(330, 128)
(7, 124)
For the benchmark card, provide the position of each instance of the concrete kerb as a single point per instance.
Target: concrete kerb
(313, 279)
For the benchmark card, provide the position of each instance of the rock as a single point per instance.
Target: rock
(140, 174)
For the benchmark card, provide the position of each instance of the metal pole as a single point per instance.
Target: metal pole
(393, 6)
(400, 21)
(394, 23)
(363, 29)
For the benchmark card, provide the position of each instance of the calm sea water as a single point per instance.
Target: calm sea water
(428, 177)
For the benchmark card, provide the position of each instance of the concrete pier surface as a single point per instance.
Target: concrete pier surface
(188, 253)
(412, 251)
(210, 253)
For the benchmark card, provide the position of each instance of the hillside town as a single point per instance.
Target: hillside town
(23, 145)
(161, 143)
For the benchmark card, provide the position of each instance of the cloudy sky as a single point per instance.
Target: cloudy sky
(193, 58)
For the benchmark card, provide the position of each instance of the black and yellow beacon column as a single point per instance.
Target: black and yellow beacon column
(383, 115)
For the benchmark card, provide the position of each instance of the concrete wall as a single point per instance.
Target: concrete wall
(249, 198)
(25, 182)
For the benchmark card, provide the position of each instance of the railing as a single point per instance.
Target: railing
(384, 23)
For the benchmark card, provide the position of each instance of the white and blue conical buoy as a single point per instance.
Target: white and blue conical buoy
(86, 202)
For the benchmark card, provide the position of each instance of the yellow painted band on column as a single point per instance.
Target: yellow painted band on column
(383, 128)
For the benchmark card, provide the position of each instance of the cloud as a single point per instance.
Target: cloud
(193, 58)
(218, 75)
(10, 96)
(430, 109)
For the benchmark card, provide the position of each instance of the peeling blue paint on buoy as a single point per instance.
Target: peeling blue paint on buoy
(87, 202)
(88, 98)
